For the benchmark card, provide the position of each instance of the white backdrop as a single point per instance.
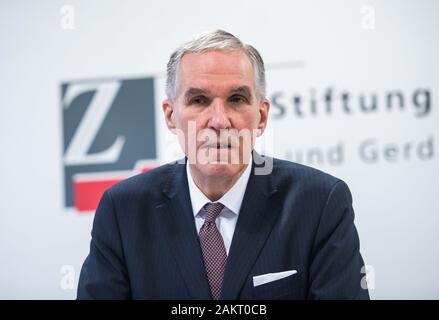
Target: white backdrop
(356, 50)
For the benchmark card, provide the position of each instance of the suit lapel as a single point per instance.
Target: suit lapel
(181, 234)
(255, 222)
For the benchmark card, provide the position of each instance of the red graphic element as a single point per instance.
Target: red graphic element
(88, 193)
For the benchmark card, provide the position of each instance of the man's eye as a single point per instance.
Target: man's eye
(237, 99)
(200, 100)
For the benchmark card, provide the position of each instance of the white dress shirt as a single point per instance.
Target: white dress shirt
(231, 200)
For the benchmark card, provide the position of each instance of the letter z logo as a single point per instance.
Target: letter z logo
(109, 130)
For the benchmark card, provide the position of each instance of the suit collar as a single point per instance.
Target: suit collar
(261, 167)
(232, 199)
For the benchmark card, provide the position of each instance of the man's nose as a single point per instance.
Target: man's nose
(219, 118)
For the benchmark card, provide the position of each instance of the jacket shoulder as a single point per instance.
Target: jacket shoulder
(150, 183)
(303, 176)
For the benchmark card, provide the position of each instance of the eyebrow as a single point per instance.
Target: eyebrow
(245, 90)
(193, 92)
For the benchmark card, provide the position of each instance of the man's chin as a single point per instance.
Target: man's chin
(220, 163)
(220, 169)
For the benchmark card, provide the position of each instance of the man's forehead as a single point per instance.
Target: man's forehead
(217, 70)
(216, 62)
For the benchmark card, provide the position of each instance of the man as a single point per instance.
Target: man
(226, 222)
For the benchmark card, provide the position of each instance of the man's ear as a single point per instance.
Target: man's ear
(168, 111)
(264, 108)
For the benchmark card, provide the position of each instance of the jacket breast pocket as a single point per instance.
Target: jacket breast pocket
(279, 289)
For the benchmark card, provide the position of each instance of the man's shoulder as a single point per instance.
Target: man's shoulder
(288, 168)
(303, 176)
(151, 182)
(309, 183)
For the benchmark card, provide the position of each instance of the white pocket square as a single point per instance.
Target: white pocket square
(270, 277)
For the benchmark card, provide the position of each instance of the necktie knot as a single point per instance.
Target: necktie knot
(212, 211)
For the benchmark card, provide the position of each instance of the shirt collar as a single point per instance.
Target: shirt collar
(232, 199)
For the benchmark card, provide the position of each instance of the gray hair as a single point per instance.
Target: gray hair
(212, 40)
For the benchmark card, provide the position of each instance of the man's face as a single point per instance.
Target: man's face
(216, 111)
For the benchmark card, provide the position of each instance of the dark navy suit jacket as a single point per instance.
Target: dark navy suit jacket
(145, 244)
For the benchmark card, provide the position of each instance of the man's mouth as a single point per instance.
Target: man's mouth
(218, 146)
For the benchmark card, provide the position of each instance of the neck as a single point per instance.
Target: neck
(214, 187)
